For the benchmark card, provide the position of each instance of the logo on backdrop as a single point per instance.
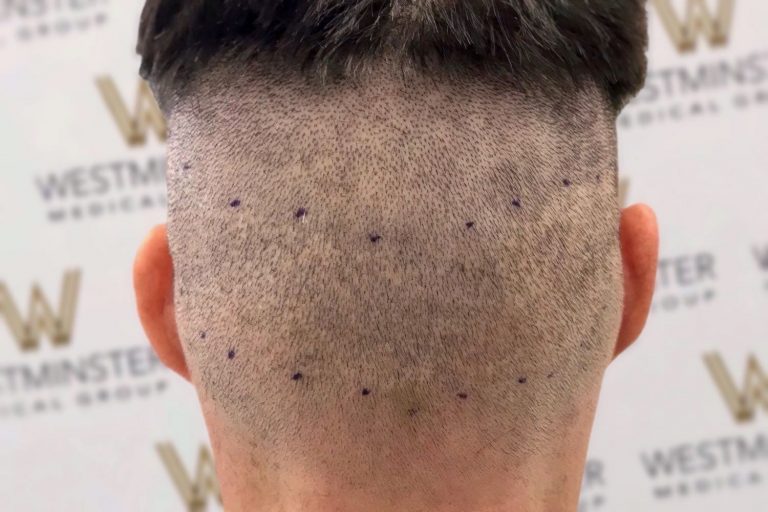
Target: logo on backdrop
(38, 384)
(146, 116)
(729, 463)
(124, 185)
(28, 21)
(700, 21)
(743, 402)
(693, 89)
(42, 319)
(685, 282)
(703, 468)
(195, 488)
(592, 497)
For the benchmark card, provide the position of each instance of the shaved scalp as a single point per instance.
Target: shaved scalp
(394, 231)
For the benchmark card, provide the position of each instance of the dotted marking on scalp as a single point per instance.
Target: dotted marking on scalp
(366, 392)
(202, 335)
(231, 353)
(301, 214)
(234, 203)
(297, 376)
(522, 380)
(187, 166)
(552, 374)
(516, 203)
(470, 225)
(374, 238)
(463, 396)
(412, 412)
(567, 182)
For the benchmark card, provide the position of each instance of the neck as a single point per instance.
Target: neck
(549, 481)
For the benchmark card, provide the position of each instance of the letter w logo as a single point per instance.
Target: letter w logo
(743, 404)
(699, 20)
(195, 494)
(146, 114)
(41, 317)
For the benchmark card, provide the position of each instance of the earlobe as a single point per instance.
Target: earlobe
(639, 234)
(153, 286)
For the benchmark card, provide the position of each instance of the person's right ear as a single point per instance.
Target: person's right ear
(153, 285)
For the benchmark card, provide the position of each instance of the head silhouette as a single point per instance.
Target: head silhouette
(395, 266)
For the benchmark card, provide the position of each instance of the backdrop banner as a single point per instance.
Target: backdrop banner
(90, 421)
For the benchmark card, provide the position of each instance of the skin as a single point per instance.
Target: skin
(243, 484)
(153, 285)
(446, 252)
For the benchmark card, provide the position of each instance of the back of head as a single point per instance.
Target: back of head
(394, 234)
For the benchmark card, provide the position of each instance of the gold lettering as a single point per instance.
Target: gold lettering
(699, 20)
(195, 494)
(146, 113)
(743, 404)
(41, 318)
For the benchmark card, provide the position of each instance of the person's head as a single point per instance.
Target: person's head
(399, 267)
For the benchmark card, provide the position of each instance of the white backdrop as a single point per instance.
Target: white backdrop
(89, 421)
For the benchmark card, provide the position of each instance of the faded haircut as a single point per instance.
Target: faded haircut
(529, 41)
(394, 223)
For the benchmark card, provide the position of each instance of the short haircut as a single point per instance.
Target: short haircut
(394, 223)
(527, 40)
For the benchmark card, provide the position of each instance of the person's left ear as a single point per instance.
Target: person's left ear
(639, 236)
(153, 285)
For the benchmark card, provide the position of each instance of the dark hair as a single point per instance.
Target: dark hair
(531, 40)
